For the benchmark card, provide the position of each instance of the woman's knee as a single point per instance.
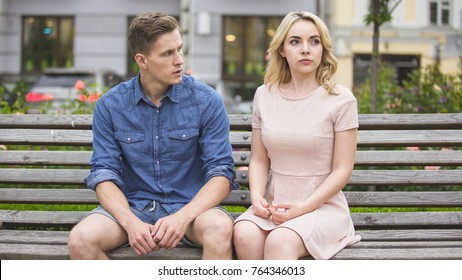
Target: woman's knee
(283, 243)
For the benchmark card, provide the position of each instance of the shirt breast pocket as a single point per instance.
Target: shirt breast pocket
(131, 143)
(183, 143)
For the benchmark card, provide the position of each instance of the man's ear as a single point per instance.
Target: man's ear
(141, 60)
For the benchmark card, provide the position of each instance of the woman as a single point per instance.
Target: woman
(303, 150)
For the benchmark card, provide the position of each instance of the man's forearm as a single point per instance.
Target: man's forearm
(210, 195)
(114, 201)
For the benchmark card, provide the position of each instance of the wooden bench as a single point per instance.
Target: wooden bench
(401, 209)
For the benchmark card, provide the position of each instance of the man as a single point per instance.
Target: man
(162, 159)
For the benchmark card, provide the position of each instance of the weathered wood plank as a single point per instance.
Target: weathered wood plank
(408, 158)
(239, 121)
(410, 121)
(74, 158)
(407, 244)
(242, 198)
(391, 236)
(395, 220)
(50, 237)
(241, 158)
(359, 177)
(407, 220)
(350, 253)
(60, 158)
(46, 137)
(46, 121)
(369, 138)
(411, 235)
(60, 252)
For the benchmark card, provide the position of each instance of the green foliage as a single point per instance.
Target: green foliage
(380, 11)
(425, 91)
(15, 102)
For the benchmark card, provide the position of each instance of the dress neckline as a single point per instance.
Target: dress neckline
(299, 97)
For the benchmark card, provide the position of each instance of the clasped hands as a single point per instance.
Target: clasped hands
(165, 233)
(277, 212)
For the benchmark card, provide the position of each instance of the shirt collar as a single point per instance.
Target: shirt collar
(172, 93)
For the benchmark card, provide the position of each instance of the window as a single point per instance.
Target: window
(47, 42)
(439, 12)
(245, 43)
(404, 65)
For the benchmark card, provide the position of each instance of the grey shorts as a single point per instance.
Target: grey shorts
(150, 214)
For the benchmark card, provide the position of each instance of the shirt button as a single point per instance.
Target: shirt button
(129, 139)
(157, 136)
(184, 136)
(158, 162)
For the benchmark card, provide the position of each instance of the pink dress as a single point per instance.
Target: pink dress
(298, 134)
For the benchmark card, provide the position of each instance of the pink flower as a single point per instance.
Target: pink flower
(432, 167)
(79, 85)
(92, 97)
(412, 148)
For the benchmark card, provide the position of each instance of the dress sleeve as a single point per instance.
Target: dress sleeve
(347, 113)
(256, 120)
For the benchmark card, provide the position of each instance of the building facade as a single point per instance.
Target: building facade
(421, 32)
(225, 40)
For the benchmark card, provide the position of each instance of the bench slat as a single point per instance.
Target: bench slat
(378, 138)
(407, 220)
(411, 235)
(60, 252)
(241, 158)
(74, 158)
(391, 236)
(396, 220)
(243, 121)
(350, 253)
(242, 198)
(359, 177)
(407, 244)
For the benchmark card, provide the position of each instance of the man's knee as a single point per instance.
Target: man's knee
(216, 228)
(221, 228)
(77, 243)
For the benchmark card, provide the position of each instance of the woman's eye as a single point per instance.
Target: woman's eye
(293, 42)
(315, 42)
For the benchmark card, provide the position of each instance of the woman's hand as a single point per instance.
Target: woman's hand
(282, 212)
(261, 208)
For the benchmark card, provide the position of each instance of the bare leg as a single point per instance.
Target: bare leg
(213, 230)
(249, 240)
(94, 236)
(284, 244)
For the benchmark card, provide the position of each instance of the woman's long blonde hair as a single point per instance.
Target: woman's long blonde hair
(277, 70)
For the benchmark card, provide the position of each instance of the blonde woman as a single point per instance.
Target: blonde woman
(303, 150)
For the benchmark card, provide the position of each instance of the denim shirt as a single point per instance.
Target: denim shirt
(164, 153)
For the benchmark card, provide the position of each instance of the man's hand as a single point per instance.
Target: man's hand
(168, 231)
(140, 237)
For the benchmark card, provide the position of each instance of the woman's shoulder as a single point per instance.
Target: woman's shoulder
(344, 93)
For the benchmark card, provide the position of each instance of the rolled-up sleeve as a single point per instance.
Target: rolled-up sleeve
(225, 171)
(102, 175)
